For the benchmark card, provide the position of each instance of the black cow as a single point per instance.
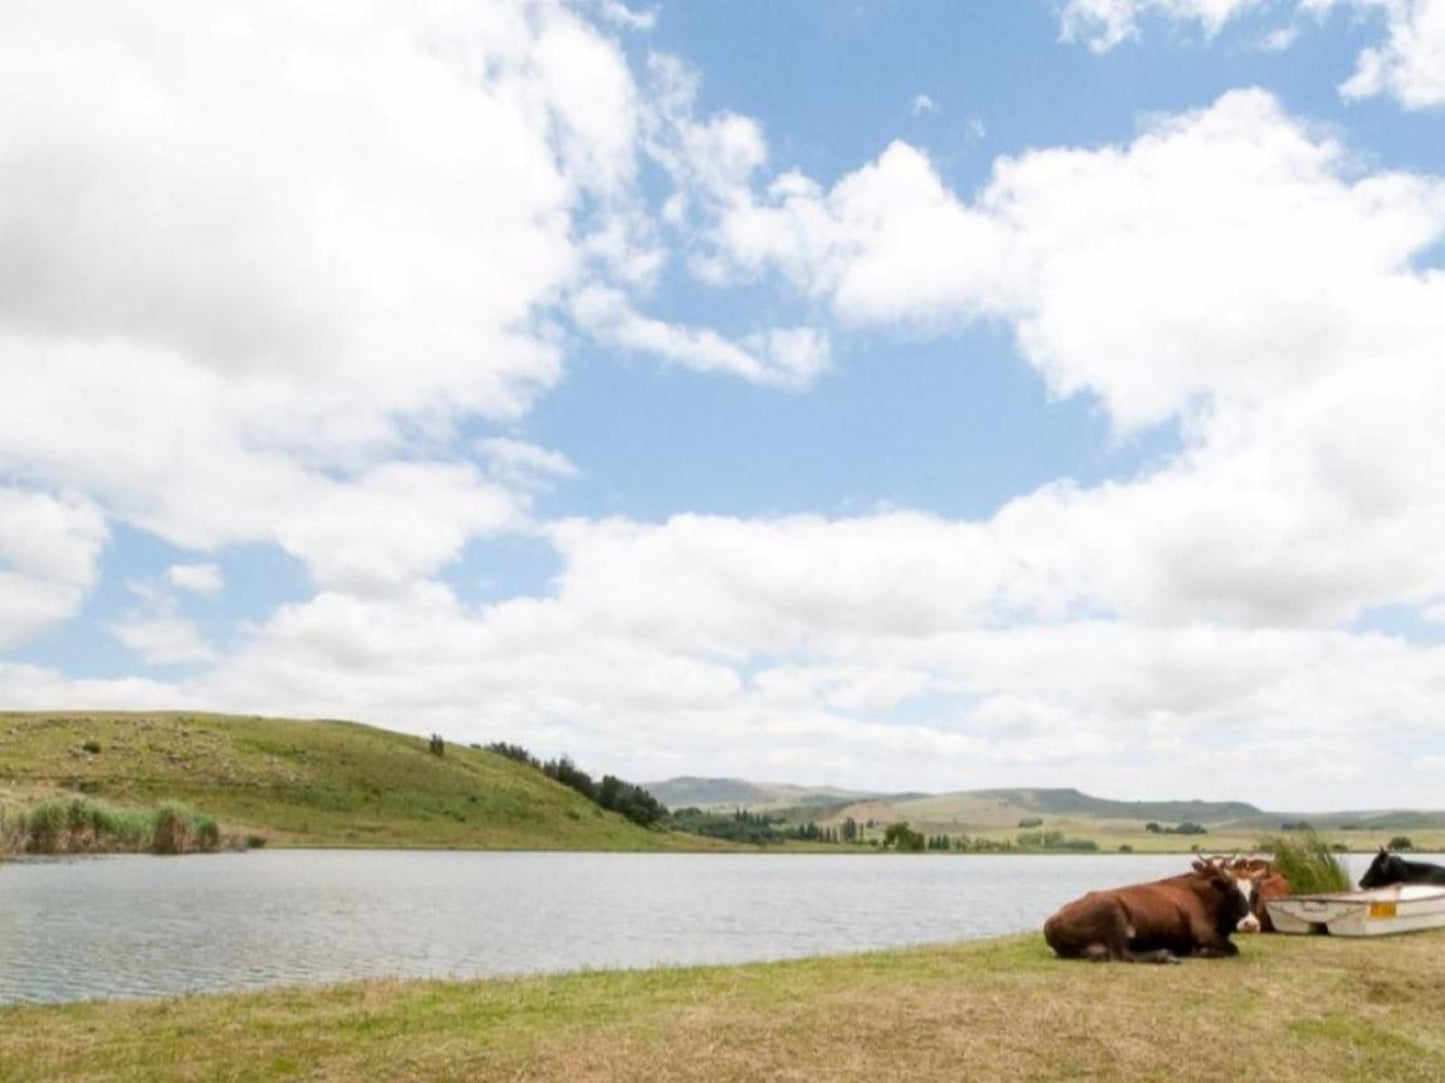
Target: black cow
(1388, 868)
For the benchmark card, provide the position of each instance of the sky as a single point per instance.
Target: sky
(901, 395)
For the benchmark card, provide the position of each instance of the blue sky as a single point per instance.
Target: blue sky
(901, 395)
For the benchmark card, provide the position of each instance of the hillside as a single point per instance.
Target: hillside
(309, 782)
(1071, 802)
(731, 793)
(997, 814)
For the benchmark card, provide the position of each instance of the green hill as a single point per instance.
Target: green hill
(730, 793)
(309, 782)
(1071, 802)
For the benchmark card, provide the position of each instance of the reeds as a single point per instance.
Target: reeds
(1307, 862)
(81, 826)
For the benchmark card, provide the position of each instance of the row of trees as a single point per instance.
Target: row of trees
(1185, 828)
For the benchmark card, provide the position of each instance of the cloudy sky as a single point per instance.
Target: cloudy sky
(894, 394)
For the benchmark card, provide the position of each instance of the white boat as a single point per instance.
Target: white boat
(1398, 908)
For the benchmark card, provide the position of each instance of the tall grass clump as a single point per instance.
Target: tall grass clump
(1307, 862)
(80, 826)
(172, 831)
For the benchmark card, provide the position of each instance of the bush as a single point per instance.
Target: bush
(436, 746)
(172, 832)
(93, 747)
(903, 838)
(255, 842)
(45, 828)
(208, 833)
(1031, 821)
(1307, 862)
(1401, 842)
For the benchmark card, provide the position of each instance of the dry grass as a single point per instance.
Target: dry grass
(1287, 1010)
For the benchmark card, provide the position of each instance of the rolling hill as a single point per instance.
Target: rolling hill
(999, 813)
(730, 793)
(309, 782)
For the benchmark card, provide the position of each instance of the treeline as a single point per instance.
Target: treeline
(757, 828)
(611, 793)
(1186, 828)
(902, 837)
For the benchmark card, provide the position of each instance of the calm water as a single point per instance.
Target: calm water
(146, 926)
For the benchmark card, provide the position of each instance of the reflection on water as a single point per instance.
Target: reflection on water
(145, 926)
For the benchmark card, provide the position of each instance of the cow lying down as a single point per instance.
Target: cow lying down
(1192, 914)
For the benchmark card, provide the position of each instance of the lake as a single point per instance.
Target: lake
(149, 926)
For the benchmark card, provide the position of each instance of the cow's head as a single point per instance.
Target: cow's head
(1387, 868)
(1236, 891)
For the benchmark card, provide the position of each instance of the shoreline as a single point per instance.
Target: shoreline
(995, 1008)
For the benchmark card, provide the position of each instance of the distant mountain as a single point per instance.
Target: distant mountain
(714, 793)
(996, 809)
(1071, 802)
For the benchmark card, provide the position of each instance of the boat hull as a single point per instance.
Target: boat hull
(1399, 908)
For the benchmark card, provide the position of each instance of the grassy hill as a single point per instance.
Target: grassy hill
(999, 814)
(730, 793)
(305, 782)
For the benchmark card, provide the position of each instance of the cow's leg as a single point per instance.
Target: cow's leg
(1162, 955)
(1218, 948)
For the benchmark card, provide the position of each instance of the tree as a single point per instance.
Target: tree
(437, 746)
(1401, 842)
(901, 837)
(570, 775)
(850, 830)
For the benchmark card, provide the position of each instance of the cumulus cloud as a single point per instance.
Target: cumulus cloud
(1410, 65)
(49, 557)
(272, 318)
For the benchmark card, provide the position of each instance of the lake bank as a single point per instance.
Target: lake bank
(1289, 1008)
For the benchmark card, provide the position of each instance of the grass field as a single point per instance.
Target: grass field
(312, 783)
(1288, 1009)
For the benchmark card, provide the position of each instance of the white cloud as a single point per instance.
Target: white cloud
(1410, 65)
(523, 466)
(164, 640)
(49, 555)
(205, 579)
(780, 357)
(922, 103)
(277, 336)
(1103, 24)
(236, 317)
(1279, 40)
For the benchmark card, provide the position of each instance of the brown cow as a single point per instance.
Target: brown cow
(1192, 914)
(1270, 883)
